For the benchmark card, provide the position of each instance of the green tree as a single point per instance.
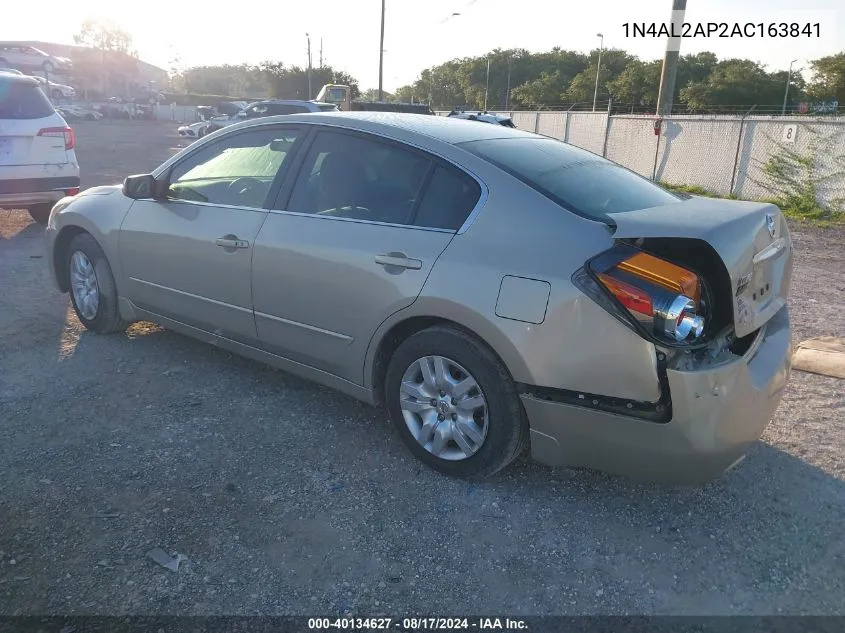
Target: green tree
(637, 86)
(106, 63)
(583, 85)
(734, 83)
(828, 78)
(291, 82)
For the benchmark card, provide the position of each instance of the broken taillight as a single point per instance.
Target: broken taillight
(662, 300)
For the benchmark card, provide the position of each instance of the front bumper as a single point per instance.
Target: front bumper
(718, 413)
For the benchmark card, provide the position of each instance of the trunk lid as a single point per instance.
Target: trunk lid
(21, 144)
(751, 238)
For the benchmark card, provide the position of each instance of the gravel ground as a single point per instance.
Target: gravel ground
(287, 498)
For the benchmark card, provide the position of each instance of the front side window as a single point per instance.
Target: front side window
(237, 170)
(574, 178)
(355, 177)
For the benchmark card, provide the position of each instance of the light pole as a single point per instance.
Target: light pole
(308, 37)
(786, 92)
(381, 57)
(598, 70)
(508, 89)
(487, 84)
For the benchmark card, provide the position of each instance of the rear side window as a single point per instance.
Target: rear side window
(328, 107)
(448, 200)
(20, 100)
(577, 180)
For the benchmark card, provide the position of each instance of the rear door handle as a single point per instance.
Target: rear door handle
(398, 260)
(231, 242)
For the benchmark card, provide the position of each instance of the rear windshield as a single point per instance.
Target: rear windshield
(20, 100)
(577, 180)
(328, 107)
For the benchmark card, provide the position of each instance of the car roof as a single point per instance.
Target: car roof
(288, 101)
(21, 79)
(447, 129)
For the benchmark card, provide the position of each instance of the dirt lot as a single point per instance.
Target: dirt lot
(287, 498)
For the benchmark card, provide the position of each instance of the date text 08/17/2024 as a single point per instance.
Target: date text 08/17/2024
(417, 624)
(723, 29)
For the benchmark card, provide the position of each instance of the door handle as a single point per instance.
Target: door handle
(231, 242)
(398, 260)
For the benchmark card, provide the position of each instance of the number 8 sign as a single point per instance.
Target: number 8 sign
(789, 133)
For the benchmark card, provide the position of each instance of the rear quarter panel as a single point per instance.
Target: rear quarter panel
(578, 346)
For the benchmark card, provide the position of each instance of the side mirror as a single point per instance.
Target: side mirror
(142, 186)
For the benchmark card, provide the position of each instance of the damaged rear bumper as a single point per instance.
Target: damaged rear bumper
(718, 413)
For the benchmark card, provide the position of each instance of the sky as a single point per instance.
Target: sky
(419, 34)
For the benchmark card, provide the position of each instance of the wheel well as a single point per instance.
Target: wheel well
(398, 334)
(60, 253)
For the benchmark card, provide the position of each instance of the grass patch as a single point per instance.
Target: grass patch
(801, 206)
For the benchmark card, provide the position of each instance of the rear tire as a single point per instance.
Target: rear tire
(506, 427)
(48, 67)
(40, 212)
(105, 318)
(57, 94)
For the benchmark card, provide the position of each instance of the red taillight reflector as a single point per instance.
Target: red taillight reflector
(629, 296)
(72, 191)
(60, 132)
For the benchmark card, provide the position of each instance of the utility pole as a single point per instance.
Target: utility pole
(321, 53)
(786, 92)
(598, 70)
(308, 37)
(508, 90)
(487, 84)
(381, 57)
(670, 61)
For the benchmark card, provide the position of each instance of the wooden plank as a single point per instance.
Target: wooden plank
(824, 355)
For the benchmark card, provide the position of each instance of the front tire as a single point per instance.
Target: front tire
(454, 403)
(40, 212)
(93, 292)
(57, 94)
(48, 67)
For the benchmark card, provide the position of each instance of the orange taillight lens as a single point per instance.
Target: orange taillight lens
(663, 273)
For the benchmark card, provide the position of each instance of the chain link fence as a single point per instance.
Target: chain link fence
(751, 157)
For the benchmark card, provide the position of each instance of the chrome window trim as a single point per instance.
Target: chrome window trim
(360, 221)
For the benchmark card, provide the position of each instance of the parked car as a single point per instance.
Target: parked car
(72, 112)
(484, 117)
(38, 163)
(270, 107)
(197, 129)
(22, 55)
(55, 90)
(13, 71)
(485, 284)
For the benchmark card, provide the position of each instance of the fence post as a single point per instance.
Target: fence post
(738, 145)
(656, 152)
(566, 127)
(606, 129)
(537, 123)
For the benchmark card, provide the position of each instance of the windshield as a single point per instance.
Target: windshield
(336, 94)
(20, 100)
(576, 179)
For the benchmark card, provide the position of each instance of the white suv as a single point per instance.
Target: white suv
(38, 164)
